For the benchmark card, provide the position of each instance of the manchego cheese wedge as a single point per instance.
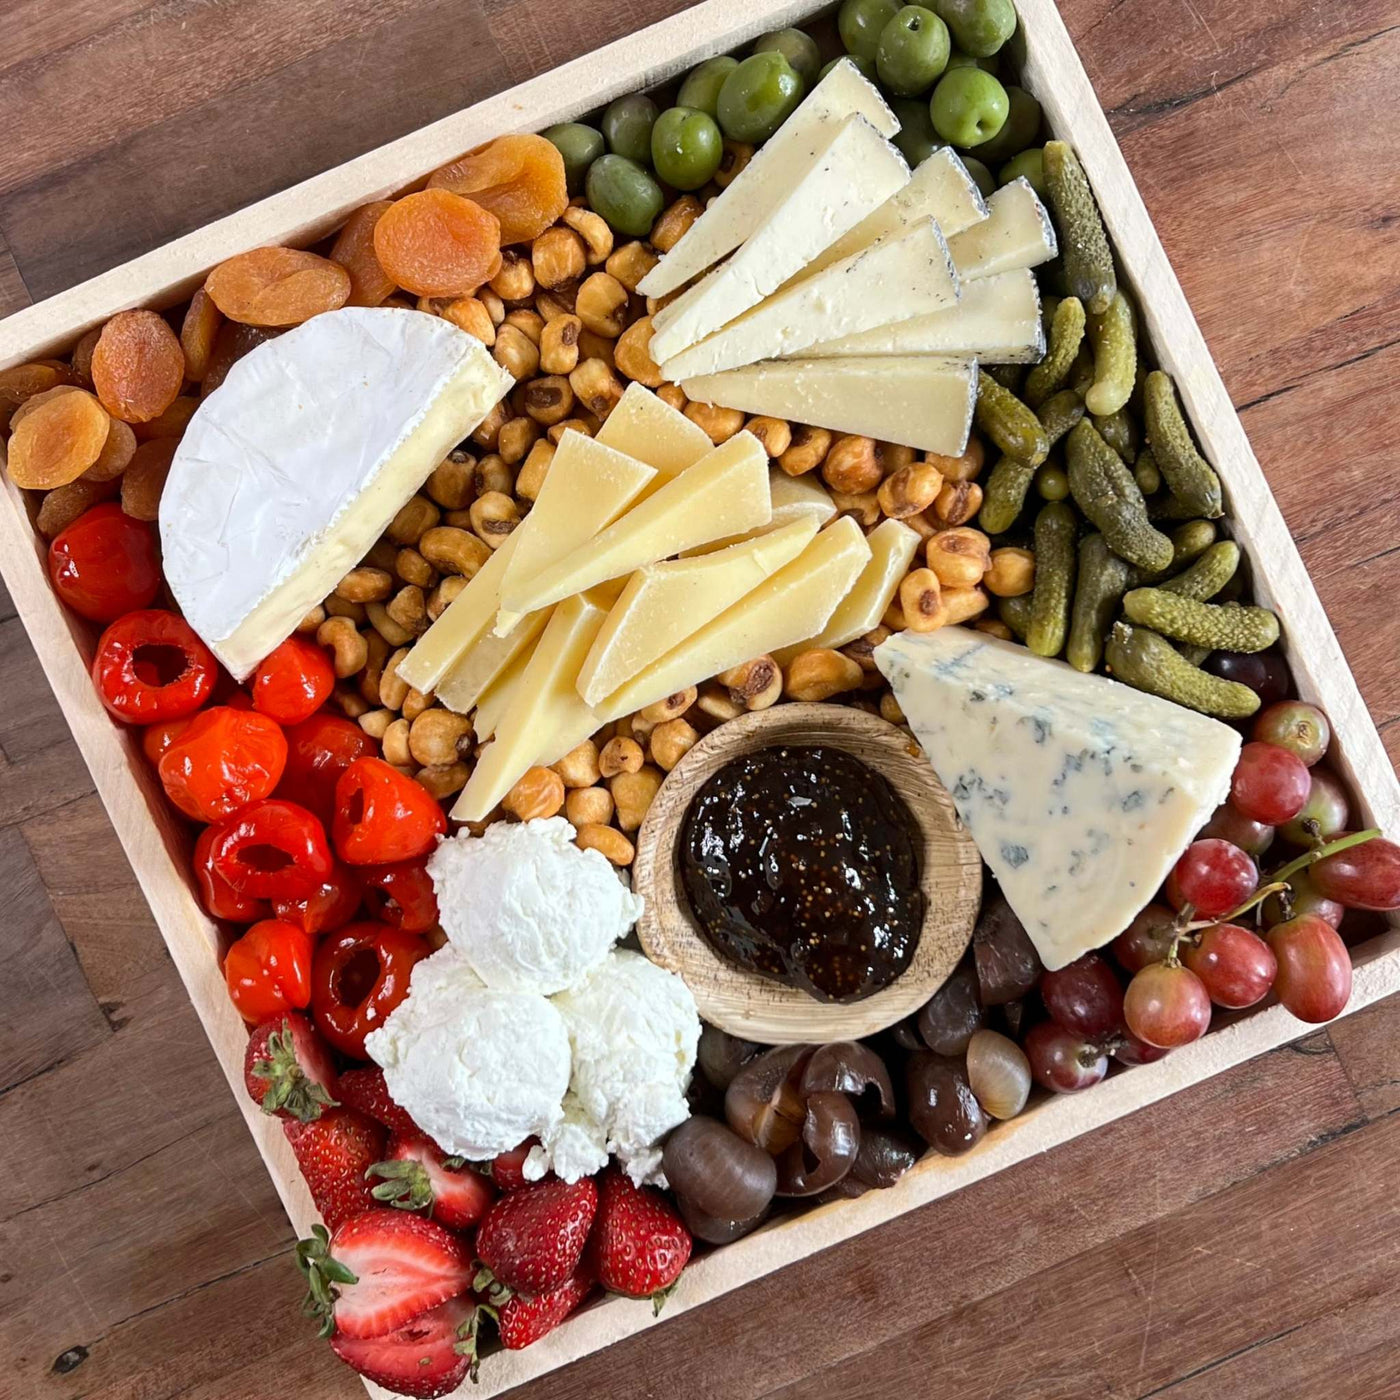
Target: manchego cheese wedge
(645, 426)
(793, 497)
(1017, 233)
(499, 696)
(485, 660)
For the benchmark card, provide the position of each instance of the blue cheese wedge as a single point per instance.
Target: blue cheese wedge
(1080, 792)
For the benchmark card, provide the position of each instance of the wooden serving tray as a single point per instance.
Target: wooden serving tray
(158, 847)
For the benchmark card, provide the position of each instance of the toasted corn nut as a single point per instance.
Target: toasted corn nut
(438, 737)
(518, 436)
(411, 567)
(674, 223)
(862, 650)
(415, 516)
(620, 755)
(486, 433)
(755, 684)
(634, 793)
(673, 394)
(339, 607)
(559, 344)
(807, 451)
(737, 155)
(852, 466)
(363, 585)
(493, 473)
(516, 279)
(720, 424)
(590, 806)
(409, 608)
(349, 702)
(531, 323)
(1011, 572)
(921, 601)
(495, 307)
(630, 263)
(494, 516)
(717, 704)
(540, 793)
(443, 596)
(382, 554)
(376, 722)
(959, 557)
(470, 314)
(533, 471)
(415, 702)
(820, 673)
(923, 525)
(993, 627)
(373, 670)
(588, 425)
(965, 468)
(894, 456)
(579, 767)
(559, 256)
(393, 689)
(601, 305)
(865, 508)
(672, 707)
(444, 779)
(394, 743)
(349, 649)
(516, 353)
(548, 400)
(593, 229)
(312, 620)
(453, 551)
(774, 433)
(596, 386)
(671, 741)
(958, 502)
(961, 605)
(554, 302)
(910, 490)
(592, 346)
(394, 632)
(607, 840)
(889, 708)
(632, 354)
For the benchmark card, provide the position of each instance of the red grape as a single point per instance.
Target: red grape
(1362, 877)
(1129, 1050)
(1084, 997)
(1264, 672)
(1148, 939)
(1327, 805)
(1303, 899)
(1213, 876)
(1167, 1006)
(1270, 784)
(1294, 725)
(1253, 838)
(1236, 966)
(1061, 1060)
(1314, 968)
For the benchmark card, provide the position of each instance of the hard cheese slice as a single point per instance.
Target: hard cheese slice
(793, 498)
(892, 549)
(485, 661)
(1016, 233)
(855, 175)
(774, 172)
(907, 274)
(794, 603)
(996, 320)
(499, 696)
(1080, 792)
(725, 492)
(288, 474)
(587, 487)
(548, 719)
(663, 604)
(916, 400)
(648, 428)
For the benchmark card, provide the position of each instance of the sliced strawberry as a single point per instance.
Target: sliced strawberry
(508, 1168)
(421, 1357)
(334, 1152)
(639, 1244)
(288, 1069)
(522, 1320)
(531, 1239)
(417, 1175)
(365, 1089)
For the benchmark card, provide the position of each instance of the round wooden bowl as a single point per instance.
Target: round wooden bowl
(758, 1008)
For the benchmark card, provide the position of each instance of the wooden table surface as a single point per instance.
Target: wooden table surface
(1238, 1240)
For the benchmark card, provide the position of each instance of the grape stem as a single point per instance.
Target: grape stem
(1257, 898)
(1342, 843)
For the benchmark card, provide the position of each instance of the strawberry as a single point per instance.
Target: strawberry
(334, 1152)
(521, 1320)
(417, 1175)
(287, 1068)
(421, 1358)
(531, 1239)
(508, 1168)
(379, 1270)
(364, 1089)
(639, 1244)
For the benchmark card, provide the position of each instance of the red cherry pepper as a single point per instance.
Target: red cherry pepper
(220, 898)
(359, 976)
(105, 564)
(383, 816)
(319, 750)
(223, 760)
(401, 895)
(334, 903)
(272, 850)
(150, 666)
(159, 737)
(294, 681)
(268, 970)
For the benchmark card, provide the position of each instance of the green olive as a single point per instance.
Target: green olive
(627, 125)
(758, 96)
(625, 194)
(1052, 482)
(798, 48)
(1020, 129)
(959, 59)
(916, 138)
(913, 51)
(1029, 165)
(702, 84)
(981, 176)
(865, 66)
(685, 147)
(980, 27)
(860, 23)
(968, 107)
(580, 146)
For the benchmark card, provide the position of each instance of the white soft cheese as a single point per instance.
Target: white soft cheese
(528, 909)
(478, 1069)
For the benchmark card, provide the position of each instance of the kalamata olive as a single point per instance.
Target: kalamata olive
(830, 1141)
(885, 1154)
(714, 1230)
(1007, 964)
(954, 1012)
(847, 1189)
(717, 1172)
(848, 1067)
(762, 1103)
(905, 1034)
(721, 1056)
(942, 1107)
(999, 1073)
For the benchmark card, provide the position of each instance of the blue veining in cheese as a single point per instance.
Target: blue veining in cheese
(1080, 792)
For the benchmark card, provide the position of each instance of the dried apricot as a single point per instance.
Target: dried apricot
(232, 342)
(277, 286)
(171, 423)
(116, 453)
(82, 357)
(64, 504)
(354, 251)
(519, 179)
(21, 382)
(436, 244)
(144, 479)
(197, 332)
(58, 442)
(38, 401)
(137, 366)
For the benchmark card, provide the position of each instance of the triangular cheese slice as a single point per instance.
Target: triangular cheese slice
(485, 660)
(793, 498)
(643, 425)
(1016, 233)
(499, 696)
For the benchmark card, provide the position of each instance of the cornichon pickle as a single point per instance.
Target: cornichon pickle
(1113, 335)
(1222, 627)
(1016, 613)
(1008, 376)
(1009, 423)
(1083, 242)
(1144, 659)
(1167, 507)
(1059, 413)
(1190, 541)
(1195, 655)
(1192, 479)
(1081, 372)
(1065, 335)
(1105, 491)
(1145, 473)
(1120, 432)
(1103, 580)
(1004, 494)
(1055, 529)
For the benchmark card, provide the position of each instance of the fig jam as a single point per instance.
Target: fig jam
(801, 864)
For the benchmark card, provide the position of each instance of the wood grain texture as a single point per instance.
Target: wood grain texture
(1207, 1246)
